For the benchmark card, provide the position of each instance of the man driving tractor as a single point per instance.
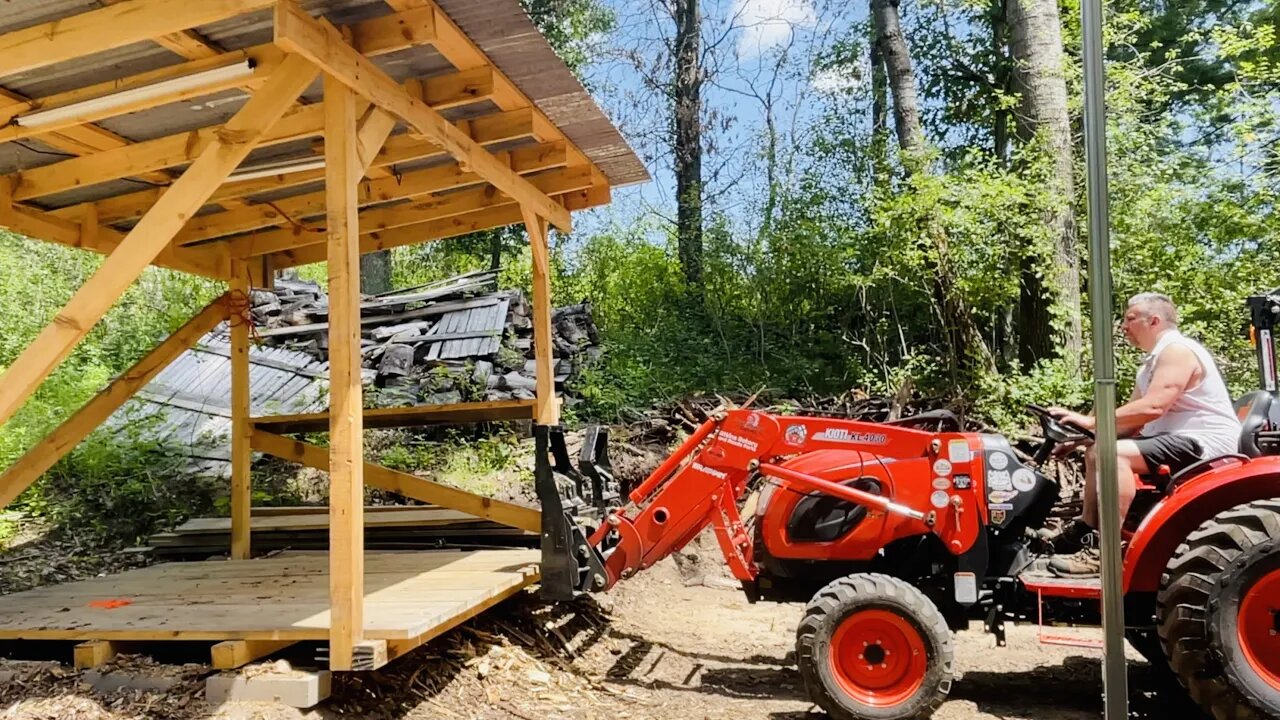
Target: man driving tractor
(1179, 414)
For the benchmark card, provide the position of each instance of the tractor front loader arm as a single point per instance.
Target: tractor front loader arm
(590, 539)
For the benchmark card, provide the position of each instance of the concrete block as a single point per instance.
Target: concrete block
(294, 688)
(111, 681)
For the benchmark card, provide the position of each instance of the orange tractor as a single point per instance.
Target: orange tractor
(898, 536)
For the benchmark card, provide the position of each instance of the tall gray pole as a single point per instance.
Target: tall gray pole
(1114, 680)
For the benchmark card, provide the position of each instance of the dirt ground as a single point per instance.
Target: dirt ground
(656, 647)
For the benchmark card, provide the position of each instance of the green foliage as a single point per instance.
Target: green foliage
(105, 478)
(119, 486)
(478, 464)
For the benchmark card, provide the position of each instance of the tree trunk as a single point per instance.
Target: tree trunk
(999, 40)
(375, 272)
(1035, 42)
(879, 83)
(902, 79)
(963, 334)
(687, 130)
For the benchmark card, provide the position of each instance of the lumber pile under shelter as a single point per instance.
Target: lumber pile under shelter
(386, 527)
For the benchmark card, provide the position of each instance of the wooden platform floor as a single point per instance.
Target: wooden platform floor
(408, 596)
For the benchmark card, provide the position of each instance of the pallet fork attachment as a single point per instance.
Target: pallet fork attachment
(568, 495)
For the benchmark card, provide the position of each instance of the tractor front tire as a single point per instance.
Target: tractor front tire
(1217, 612)
(872, 647)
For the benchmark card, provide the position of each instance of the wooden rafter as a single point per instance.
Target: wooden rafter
(264, 63)
(374, 220)
(151, 235)
(323, 44)
(110, 27)
(454, 226)
(488, 129)
(456, 47)
(374, 37)
(183, 43)
(410, 185)
(207, 261)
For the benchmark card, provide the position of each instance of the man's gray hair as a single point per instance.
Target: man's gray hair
(1156, 304)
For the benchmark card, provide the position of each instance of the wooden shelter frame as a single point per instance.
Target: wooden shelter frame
(365, 205)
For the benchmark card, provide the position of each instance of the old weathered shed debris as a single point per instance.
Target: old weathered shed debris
(457, 340)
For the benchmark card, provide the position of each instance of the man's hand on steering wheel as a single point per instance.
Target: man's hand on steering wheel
(1063, 430)
(1072, 418)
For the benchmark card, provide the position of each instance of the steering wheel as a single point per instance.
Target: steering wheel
(1056, 431)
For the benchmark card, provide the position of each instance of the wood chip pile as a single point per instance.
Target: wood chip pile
(457, 340)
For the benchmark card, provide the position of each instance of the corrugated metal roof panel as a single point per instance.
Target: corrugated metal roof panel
(191, 398)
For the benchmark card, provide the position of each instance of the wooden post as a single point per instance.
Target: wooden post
(241, 429)
(546, 411)
(346, 446)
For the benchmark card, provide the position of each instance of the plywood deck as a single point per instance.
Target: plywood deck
(408, 596)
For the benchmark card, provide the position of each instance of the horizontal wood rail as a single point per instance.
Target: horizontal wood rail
(401, 483)
(458, 413)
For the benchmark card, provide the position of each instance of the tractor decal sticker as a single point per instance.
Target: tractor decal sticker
(963, 482)
(941, 483)
(1024, 480)
(997, 517)
(843, 435)
(941, 466)
(999, 480)
(939, 499)
(717, 474)
(795, 434)
(753, 422)
(1000, 506)
(745, 444)
(1002, 496)
(958, 451)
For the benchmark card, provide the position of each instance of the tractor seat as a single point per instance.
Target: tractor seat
(1254, 411)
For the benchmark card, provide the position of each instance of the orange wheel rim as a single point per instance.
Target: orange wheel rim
(878, 658)
(1258, 627)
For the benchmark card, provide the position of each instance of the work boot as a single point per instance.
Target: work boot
(1087, 562)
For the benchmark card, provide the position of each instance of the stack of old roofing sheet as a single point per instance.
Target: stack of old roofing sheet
(457, 340)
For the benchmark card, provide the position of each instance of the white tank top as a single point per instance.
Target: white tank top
(1204, 411)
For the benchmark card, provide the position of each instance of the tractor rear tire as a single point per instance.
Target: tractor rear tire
(872, 647)
(1216, 612)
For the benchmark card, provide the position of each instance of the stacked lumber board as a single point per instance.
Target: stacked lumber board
(456, 340)
(387, 527)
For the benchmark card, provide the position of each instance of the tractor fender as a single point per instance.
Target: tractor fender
(1191, 505)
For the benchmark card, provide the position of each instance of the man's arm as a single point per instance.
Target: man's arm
(1173, 374)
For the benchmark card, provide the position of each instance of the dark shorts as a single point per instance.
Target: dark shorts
(1176, 451)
